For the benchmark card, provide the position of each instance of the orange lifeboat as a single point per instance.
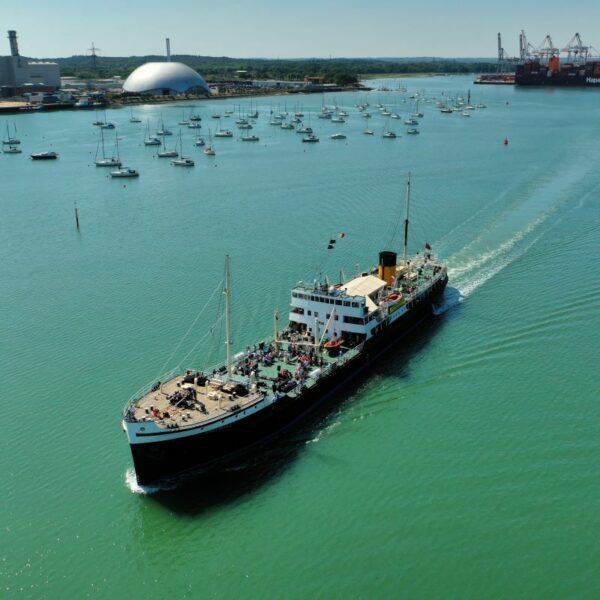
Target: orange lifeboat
(334, 343)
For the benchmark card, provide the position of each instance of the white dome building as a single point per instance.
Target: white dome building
(162, 78)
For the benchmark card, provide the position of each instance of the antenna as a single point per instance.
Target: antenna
(168, 49)
(406, 220)
(94, 52)
(228, 316)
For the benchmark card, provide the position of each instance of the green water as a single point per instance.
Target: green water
(466, 466)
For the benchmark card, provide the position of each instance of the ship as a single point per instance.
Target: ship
(200, 421)
(544, 66)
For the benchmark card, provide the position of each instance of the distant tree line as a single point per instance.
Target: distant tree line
(341, 71)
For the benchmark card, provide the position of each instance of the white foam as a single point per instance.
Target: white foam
(135, 487)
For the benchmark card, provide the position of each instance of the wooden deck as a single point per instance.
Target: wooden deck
(198, 403)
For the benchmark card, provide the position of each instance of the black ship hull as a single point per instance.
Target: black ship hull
(211, 450)
(558, 80)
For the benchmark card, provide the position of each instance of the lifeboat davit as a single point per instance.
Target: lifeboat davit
(334, 343)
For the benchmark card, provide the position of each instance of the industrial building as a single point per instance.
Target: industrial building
(19, 76)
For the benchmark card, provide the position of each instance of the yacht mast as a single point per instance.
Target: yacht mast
(406, 220)
(228, 316)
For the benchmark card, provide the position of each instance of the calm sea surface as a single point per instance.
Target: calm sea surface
(466, 466)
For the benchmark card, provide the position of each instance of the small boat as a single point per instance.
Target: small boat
(250, 138)
(194, 125)
(253, 115)
(343, 113)
(200, 142)
(150, 140)
(215, 116)
(44, 156)
(411, 121)
(195, 118)
(224, 133)
(12, 150)
(164, 153)
(466, 113)
(107, 126)
(395, 116)
(338, 136)
(112, 161)
(287, 126)
(324, 115)
(10, 141)
(369, 132)
(310, 138)
(412, 131)
(299, 115)
(389, 135)
(162, 131)
(366, 115)
(124, 172)
(244, 126)
(338, 120)
(209, 150)
(134, 119)
(304, 130)
(446, 110)
(182, 161)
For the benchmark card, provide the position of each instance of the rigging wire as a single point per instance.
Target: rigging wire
(162, 370)
(209, 332)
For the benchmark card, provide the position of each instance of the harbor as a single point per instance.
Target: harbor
(459, 466)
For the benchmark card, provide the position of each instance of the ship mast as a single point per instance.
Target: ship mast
(228, 316)
(406, 220)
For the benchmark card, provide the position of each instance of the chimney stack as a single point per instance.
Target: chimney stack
(168, 50)
(14, 46)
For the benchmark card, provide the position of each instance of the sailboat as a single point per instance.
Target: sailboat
(209, 150)
(223, 133)
(107, 124)
(164, 153)
(150, 140)
(104, 161)
(184, 121)
(388, 135)
(10, 141)
(182, 161)
(162, 131)
(134, 119)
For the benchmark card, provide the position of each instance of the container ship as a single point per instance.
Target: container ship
(544, 66)
(202, 420)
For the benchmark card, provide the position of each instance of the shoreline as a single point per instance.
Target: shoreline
(22, 106)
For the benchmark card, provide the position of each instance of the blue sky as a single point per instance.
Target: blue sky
(269, 28)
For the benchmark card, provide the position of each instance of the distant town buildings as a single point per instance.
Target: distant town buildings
(19, 76)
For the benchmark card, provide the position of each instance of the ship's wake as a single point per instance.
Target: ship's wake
(510, 234)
